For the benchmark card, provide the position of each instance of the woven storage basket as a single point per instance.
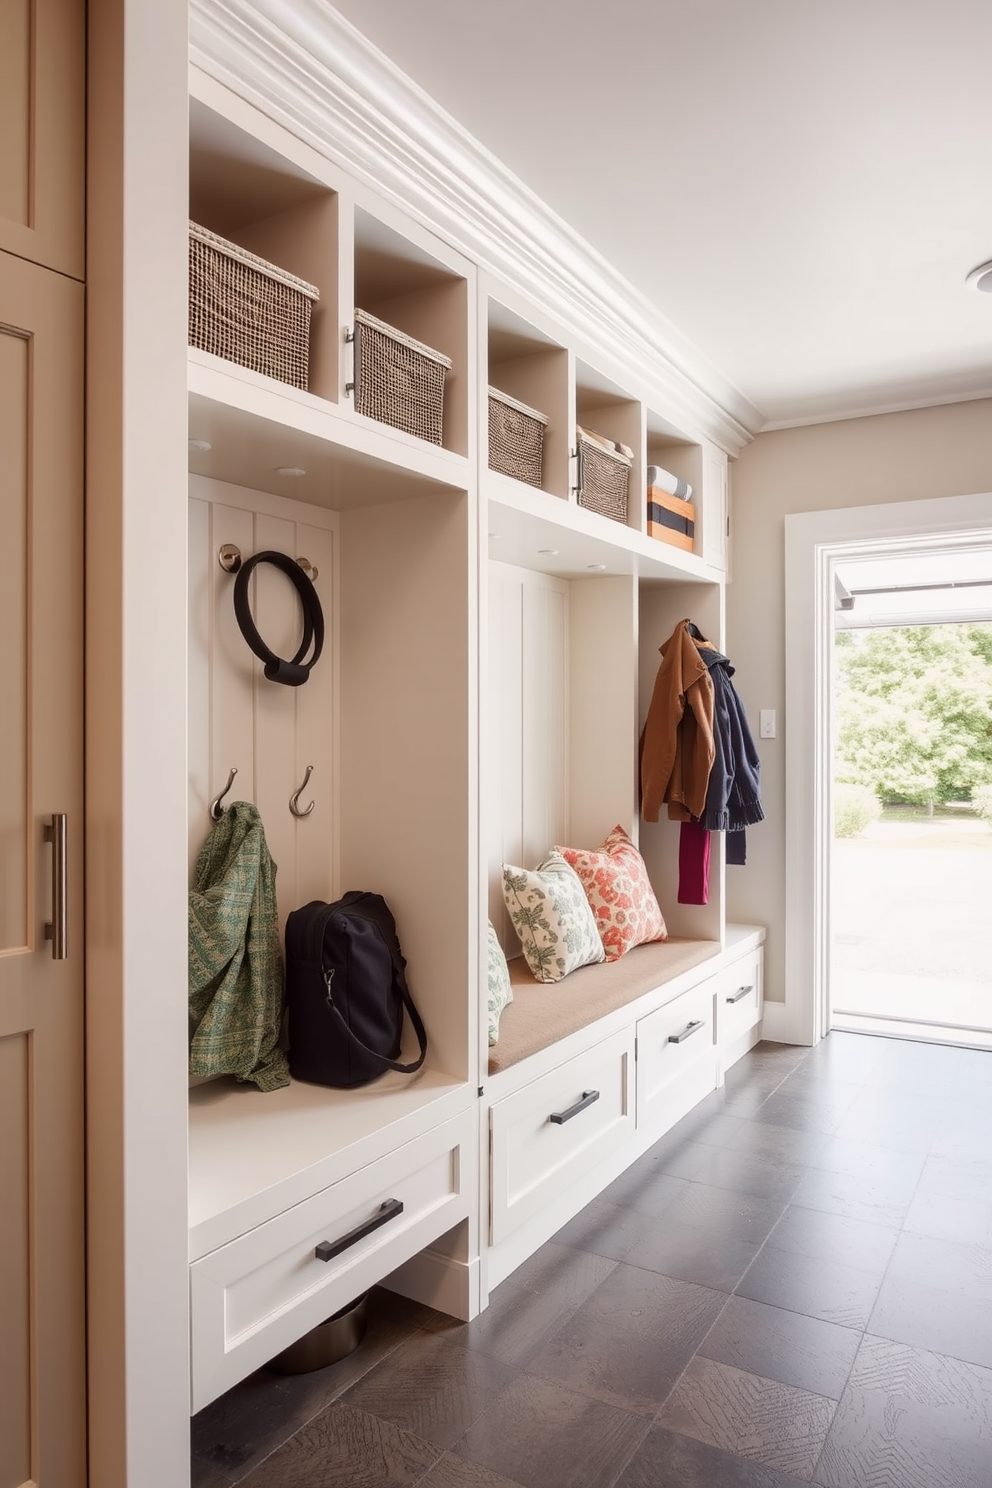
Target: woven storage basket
(398, 381)
(603, 475)
(516, 437)
(247, 310)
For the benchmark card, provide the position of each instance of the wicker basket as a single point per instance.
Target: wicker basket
(516, 438)
(398, 381)
(604, 469)
(247, 310)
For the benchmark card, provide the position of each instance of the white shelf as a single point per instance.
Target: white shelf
(528, 521)
(256, 425)
(253, 1154)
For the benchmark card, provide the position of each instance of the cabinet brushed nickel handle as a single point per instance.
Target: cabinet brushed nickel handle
(57, 929)
(687, 1032)
(741, 992)
(328, 1249)
(589, 1098)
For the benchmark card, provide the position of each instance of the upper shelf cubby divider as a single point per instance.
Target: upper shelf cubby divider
(244, 190)
(532, 367)
(398, 279)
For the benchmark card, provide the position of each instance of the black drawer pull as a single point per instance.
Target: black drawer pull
(328, 1249)
(589, 1098)
(687, 1032)
(741, 992)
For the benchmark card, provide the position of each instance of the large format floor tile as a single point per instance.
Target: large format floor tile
(910, 1418)
(771, 1423)
(537, 1434)
(630, 1342)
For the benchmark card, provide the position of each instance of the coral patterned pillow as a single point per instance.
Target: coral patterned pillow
(619, 892)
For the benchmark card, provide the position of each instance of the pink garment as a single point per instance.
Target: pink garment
(694, 864)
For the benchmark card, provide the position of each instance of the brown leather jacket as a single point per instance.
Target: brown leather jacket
(677, 748)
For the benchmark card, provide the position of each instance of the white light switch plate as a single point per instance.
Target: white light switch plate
(766, 723)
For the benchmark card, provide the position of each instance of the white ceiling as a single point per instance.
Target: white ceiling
(800, 188)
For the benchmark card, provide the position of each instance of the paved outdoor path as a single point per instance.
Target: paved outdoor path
(911, 912)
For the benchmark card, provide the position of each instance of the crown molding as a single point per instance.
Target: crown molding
(307, 68)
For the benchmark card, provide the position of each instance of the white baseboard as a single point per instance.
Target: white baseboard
(439, 1281)
(779, 1024)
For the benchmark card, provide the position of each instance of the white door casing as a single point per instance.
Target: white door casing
(814, 543)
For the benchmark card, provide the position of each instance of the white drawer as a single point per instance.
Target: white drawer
(253, 1297)
(676, 1057)
(738, 998)
(557, 1128)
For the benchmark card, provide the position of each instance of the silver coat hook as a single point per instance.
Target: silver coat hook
(216, 810)
(294, 800)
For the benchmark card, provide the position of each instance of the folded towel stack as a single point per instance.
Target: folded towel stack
(666, 481)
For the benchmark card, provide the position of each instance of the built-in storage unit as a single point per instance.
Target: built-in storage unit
(491, 649)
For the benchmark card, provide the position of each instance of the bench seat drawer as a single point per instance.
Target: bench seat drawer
(738, 998)
(550, 1132)
(676, 1057)
(253, 1297)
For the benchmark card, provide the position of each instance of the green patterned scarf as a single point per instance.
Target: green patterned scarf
(235, 961)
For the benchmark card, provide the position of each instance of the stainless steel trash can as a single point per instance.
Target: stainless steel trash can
(330, 1341)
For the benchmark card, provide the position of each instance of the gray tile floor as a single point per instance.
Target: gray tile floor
(793, 1286)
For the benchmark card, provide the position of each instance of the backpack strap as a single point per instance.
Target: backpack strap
(375, 909)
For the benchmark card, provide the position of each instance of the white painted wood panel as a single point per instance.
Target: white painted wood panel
(528, 748)
(269, 732)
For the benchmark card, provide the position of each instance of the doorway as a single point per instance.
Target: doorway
(911, 853)
(815, 542)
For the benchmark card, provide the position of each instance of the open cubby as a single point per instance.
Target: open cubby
(403, 284)
(531, 367)
(602, 407)
(249, 194)
(681, 457)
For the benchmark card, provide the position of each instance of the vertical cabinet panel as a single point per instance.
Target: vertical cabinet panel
(42, 1425)
(15, 1248)
(14, 856)
(528, 736)
(42, 127)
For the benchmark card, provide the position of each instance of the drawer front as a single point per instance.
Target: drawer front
(557, 1128)
(738, 998)
(252, 1298)
(676, 1056)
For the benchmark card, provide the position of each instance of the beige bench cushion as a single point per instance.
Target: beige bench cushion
(541, 1014)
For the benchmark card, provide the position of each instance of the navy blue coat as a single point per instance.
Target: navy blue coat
(733, 796)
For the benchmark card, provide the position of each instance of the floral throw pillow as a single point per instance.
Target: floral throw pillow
(619, 891)
(500, 991)
(551, 914)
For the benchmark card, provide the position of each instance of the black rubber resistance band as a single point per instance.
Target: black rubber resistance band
(292, 673)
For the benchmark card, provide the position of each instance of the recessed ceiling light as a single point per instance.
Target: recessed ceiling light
(550, 552)
(600, 566)
(981, 278)
(202, 445)
(293, 470)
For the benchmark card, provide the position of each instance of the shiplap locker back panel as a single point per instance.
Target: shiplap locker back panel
(528, 743)
(269, 732)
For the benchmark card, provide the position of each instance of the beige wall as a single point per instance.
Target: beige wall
(912, 456)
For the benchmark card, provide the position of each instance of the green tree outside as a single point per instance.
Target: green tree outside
(914, 711)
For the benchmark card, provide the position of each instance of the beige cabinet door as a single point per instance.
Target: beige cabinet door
(42, 135)
(42, 1399)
